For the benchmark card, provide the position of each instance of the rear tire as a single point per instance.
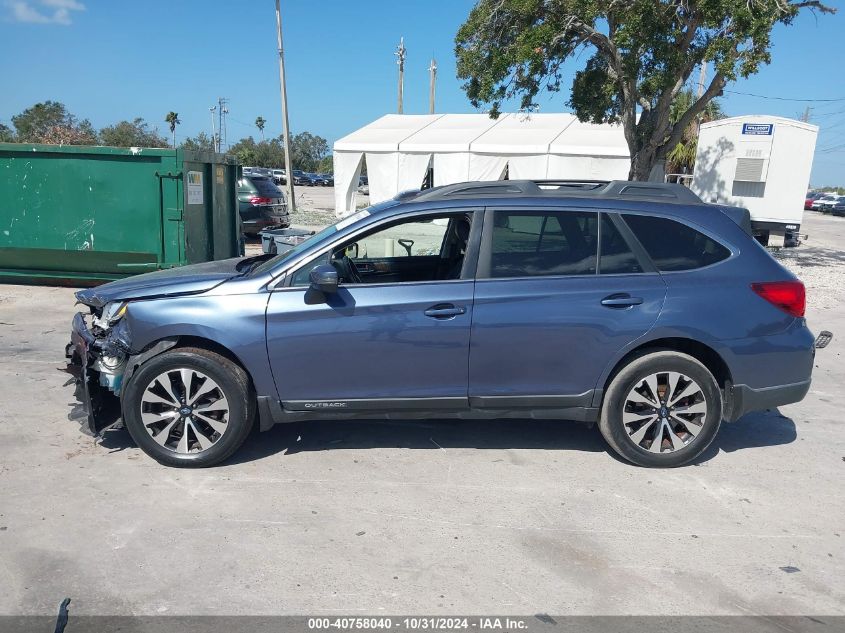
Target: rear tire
(195, 426)
(670, 427)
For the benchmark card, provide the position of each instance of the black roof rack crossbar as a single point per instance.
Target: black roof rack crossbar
(666, 192)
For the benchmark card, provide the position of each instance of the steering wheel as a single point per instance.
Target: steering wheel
(349, 271)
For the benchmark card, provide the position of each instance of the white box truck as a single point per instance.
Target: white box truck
(761, 163)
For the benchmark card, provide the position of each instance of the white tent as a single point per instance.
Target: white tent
(399, 149)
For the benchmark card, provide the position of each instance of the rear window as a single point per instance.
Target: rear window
(535, 244)
(674, 246)
(265, 186)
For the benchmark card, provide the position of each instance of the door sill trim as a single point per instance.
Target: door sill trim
(376, 404)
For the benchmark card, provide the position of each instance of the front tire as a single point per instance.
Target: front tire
(662, 410)
(189, 407)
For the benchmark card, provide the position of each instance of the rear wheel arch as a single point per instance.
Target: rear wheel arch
(662, 409)
(702, 352)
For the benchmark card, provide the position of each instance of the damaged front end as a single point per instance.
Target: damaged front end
(98, 354)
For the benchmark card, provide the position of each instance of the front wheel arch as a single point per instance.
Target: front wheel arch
(231, 384)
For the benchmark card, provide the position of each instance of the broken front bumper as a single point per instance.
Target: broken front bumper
(99, 407)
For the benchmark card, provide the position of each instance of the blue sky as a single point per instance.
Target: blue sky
(111, 59)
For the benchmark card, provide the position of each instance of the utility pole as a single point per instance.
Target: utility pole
(214, 144)
(432, 69)
(222, 102)
(806, 116)
(702, 77)
(285, 122)
(400, 59)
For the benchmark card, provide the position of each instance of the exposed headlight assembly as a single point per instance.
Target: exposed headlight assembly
(112, 313)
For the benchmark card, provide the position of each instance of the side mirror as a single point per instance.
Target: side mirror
(351, 251)
(324, 278)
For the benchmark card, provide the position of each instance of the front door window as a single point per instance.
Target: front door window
(428, 248)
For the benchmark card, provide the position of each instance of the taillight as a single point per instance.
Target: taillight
(789, 296)
(259, 200)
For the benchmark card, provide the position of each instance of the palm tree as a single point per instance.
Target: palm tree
(172, 119)
(681, 158)
(260, 122)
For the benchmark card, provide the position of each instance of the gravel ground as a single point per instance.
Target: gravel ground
(820, 261)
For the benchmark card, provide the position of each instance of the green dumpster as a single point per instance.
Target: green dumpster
(73, 214)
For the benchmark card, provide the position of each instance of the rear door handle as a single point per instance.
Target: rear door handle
(621, 300)
(444, 311)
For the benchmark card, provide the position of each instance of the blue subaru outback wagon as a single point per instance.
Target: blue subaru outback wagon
(633, 305)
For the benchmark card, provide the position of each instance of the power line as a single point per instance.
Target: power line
(751, 94)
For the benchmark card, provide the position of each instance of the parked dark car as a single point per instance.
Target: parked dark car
(323, 180)
(262, 205)
(301, 178)
(631, 305)
(837, 207)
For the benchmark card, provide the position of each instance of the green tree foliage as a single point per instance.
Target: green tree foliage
(50, 122)
(172, 120)
(7, 134)
(135, 133)
(307, 151)
(202, 142)
(681, 158)
(326, 165)
(642, 53)
(259, 154)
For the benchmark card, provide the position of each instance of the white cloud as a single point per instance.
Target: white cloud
(42, 11)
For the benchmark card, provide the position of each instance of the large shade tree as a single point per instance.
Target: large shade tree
(641, 54)
(135, 133)
(50, 122)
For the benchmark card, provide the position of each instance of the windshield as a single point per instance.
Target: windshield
(271, 263)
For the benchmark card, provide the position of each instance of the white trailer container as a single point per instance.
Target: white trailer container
(761, 163)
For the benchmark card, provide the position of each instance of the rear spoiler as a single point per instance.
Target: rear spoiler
(739, 215)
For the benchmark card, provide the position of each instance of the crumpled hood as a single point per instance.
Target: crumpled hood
(190, 279)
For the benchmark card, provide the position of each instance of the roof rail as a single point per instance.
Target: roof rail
(666, 192)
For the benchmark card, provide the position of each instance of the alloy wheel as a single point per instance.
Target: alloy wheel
(664, 412)
(184, 411)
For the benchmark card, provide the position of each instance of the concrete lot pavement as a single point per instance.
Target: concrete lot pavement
(417, 517)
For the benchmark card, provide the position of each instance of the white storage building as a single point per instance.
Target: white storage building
(400, 149)
(761, 163)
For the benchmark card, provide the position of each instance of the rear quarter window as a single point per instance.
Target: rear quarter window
(674, 246)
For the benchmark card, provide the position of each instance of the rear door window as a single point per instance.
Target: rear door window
(616, 257)
(674, 246)
(530, 244)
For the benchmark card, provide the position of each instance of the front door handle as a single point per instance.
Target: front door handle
(444, 311)
(621, 300)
